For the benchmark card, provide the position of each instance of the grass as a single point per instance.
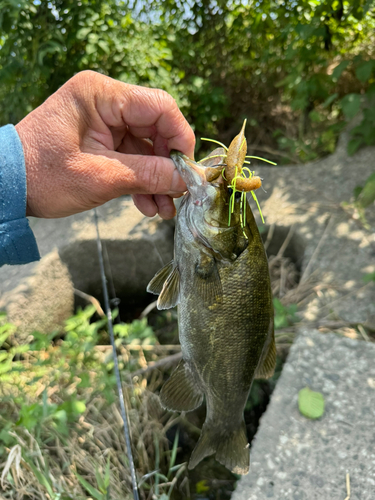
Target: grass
(61, 431)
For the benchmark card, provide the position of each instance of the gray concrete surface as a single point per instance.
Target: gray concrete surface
(338, 250)
(299, 459)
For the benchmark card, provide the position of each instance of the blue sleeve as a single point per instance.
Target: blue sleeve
(17, 241)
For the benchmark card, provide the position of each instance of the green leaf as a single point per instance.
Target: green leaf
(357, 191)
(104, 46)
(310, 403)
(367, 195)
(350, 105)
(82, 33)
(363, 72)
(336, 73)
(85, 380)
(369, 277)
(40, 477)
(330, 100)
(202, 487)
(354, 145)
(90, 49)
(4, 336)
(174, 451)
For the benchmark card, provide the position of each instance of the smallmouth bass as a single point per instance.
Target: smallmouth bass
(219, 279)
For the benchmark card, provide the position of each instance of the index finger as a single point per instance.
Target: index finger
(154, 113)
(149, 113)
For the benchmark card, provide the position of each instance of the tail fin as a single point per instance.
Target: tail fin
(232, 448)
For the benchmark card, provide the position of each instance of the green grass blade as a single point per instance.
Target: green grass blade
(174, 451)
(90, 489)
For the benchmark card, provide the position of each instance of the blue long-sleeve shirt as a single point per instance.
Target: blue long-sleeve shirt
(17, 241)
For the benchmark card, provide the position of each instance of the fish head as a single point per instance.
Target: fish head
(206, 197)
(202, 192)
(206, 205)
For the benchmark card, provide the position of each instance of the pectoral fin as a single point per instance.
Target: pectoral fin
(266, 367)
(156, 284)
(166, 283)
(207, 280)
(180, 391)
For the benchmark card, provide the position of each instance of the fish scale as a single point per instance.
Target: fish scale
(219, 279)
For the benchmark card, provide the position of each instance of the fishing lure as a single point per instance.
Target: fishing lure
(240, 179)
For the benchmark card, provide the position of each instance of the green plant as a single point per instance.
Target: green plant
(103, 482)
(138, 332)
(369, 277)
(163, 485)
(284, 315)
(364, 196)
(58, 414)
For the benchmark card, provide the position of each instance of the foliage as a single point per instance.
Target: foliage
(364, 196)
(43, 44)
(137, 332)
(297, 69)
(369, 277)
(310, 403)
(61, 435)
(284, 315)
(308, 61)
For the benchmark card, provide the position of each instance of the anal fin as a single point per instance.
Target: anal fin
(267, 363)
(180, 391)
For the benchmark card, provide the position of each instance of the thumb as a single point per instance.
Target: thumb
(120, 174)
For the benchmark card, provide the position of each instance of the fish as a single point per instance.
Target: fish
(219, 279)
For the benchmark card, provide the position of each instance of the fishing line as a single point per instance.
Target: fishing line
(114, 300)
(108, 312)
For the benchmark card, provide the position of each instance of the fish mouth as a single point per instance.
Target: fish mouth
(192, 173)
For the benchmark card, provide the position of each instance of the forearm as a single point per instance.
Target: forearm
(17, 241)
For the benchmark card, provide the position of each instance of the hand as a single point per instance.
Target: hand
(96, 139)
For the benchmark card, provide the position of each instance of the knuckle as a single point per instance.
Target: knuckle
(165, 99)
(152, 178)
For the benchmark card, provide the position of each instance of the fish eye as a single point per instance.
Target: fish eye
(230, 191)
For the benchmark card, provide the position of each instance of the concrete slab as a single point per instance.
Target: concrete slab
(339, 251)
(296, 458)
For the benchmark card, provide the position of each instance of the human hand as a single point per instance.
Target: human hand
(96, 139)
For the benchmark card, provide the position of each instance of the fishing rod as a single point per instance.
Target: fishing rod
(108, 312)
